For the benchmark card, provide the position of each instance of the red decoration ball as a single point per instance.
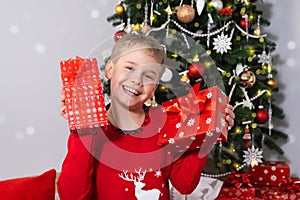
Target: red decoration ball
(254, 1)
(196, 70)
(262, 116)
(244, 24)
(118, 35)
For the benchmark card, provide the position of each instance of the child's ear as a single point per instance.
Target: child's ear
(108, 69)
(154, 89)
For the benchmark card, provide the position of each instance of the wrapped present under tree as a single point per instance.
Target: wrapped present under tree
(237, 185)
(270, 173)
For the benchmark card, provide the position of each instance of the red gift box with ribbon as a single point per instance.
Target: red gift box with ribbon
(288, 189)
(195, 120)
(239, 193)
(83, 91)
(270, 173)
(237, 186)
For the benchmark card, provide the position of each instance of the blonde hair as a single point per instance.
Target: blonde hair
(131, 42)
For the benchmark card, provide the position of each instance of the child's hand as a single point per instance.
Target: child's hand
(63, 111)
(229, 116)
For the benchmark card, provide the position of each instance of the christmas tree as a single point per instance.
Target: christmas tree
(230, 32)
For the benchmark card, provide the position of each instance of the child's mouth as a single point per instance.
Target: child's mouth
(131, 91)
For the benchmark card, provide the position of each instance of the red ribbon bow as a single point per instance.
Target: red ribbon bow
(238, 180)
(192, 103)
(291, 185)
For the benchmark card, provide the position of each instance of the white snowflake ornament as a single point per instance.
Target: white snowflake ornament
(222, 43)
(264, 58)
(253, 156)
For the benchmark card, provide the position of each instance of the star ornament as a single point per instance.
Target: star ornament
(222, 43)
(253, 156)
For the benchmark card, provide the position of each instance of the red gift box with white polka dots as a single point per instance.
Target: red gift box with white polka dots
(270, 173)
(83, 91)
(195, 120)
(273, 193)
(238, 193)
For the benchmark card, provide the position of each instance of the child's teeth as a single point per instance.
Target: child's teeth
(132, 90)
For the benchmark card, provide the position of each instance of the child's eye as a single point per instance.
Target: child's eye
(128, 67)
(149, 77)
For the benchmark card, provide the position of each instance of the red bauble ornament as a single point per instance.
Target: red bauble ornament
(245, 24)
(118, 35)
(262, 116)
(254, 1)
(196, 70)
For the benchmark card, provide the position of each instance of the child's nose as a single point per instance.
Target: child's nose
(136, 77)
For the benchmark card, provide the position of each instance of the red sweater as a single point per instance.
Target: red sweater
(110, 165)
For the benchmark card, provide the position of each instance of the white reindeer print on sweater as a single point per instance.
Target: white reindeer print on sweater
(140, 194)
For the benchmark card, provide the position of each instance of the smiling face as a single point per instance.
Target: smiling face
(134, 78)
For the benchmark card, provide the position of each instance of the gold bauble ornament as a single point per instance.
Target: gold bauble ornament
(186, 13)
(119, 9)
(272, 83)
(247, 79)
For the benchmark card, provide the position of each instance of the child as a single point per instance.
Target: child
(122, 160)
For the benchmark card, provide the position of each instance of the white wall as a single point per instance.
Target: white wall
(36, 35)
(284, 29)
